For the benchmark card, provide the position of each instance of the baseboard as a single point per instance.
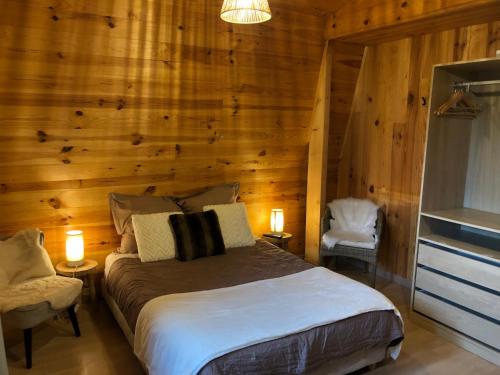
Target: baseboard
(400, 280)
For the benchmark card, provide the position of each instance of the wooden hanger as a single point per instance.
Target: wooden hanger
(458, 105)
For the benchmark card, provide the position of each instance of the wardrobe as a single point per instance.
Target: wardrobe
(456, 279)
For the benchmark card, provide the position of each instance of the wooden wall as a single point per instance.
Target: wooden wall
(347, 59)
(144, 96)
(385, 142)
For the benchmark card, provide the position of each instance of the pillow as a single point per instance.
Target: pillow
(22, 257)
(221, 194)
(155, 240)
(234, 225)
(124, 206)
(197, 235)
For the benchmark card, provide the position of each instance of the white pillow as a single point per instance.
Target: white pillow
(154, 236)
(233, 221)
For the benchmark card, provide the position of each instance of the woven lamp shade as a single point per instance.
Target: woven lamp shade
(245, 11)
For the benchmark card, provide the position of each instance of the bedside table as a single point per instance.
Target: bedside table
(85, 272)
(280, 242)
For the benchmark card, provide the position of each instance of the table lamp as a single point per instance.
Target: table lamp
(277, 220)
(74, 248)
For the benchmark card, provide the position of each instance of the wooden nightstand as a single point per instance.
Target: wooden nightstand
(280, 242)
(85, 272)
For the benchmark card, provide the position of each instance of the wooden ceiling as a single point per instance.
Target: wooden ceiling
(326, 5)
(317, 7)
(375, 21)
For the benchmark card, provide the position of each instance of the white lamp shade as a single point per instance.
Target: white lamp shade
(245, 11)
(74, 248)
(277, 220)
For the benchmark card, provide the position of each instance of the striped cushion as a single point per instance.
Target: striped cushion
(197, 235)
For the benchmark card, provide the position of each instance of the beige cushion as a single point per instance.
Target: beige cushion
(154, 236)
(361, 245)
(222, 194)
(233, 221)
(60, 292)
(124, 206)
(354, 239)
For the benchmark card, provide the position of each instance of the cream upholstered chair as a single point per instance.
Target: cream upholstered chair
(28, 316)
(368, 254)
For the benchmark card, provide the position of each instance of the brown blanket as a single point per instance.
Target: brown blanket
(132, 284)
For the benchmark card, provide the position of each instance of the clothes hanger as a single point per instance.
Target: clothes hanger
(452, 101)
(458, 105)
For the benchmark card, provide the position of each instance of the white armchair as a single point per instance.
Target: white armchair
(353, 245)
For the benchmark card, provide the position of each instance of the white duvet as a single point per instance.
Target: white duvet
(180, 333)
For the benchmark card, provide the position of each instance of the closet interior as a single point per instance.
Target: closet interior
(456, 283)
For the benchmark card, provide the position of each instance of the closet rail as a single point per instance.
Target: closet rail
(468, 85)
(476, 83)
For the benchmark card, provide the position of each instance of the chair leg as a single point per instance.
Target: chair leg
(74, 320)
(334, 262)
(373, 276)
(326, 261)
(322, 261)
(28, 347)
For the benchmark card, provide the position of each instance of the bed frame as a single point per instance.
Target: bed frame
(115, 310)
(356, 361)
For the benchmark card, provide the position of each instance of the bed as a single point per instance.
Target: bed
(132, 288)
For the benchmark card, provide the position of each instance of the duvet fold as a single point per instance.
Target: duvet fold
(181, 333)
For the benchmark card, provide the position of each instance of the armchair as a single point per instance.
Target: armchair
(39, 295)
(368, 255)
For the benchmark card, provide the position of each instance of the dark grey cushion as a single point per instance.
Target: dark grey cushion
(197, 235)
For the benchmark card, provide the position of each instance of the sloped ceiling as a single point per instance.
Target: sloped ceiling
(317, 7)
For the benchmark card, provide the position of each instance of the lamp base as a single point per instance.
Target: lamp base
(278, 235)
(75, 263)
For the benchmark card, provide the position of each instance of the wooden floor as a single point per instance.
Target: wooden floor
(103, 350)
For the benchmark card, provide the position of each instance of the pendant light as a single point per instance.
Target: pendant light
(245, 11)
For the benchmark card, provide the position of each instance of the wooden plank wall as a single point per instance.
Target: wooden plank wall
(346, 66)
(385, 145)
(318, 157)
(145, 96)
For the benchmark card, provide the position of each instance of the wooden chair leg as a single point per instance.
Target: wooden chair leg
(74, 320)
(28, 347)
